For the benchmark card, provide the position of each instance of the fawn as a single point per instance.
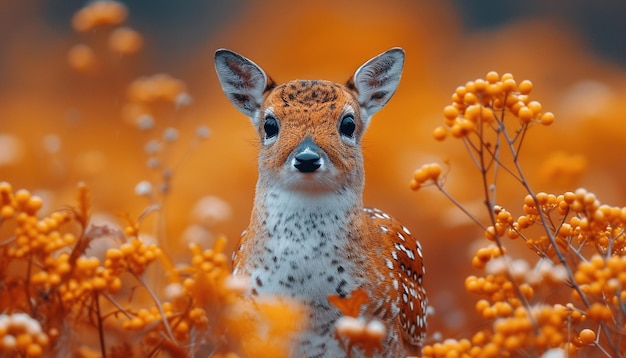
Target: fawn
(309, 235)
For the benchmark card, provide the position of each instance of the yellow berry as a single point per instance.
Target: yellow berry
(6, 212)
(481, 305)
(480, 85)
(587, 336)
(115, 285)
(525, 87)
(23, 340)
(34, 350)
(434, 171)
(440, 133)
(489, 313)
(477, 263)
(516, 107)
(460, 91)
(547, 118)
(450, 112)
(525, 114)
(421, 175)
(506, 76)
(535, 107)
(509, 85)
(34, 204)
(494, 89)
(22, 196)
(99, 283)
(492, 77)
(470, 98)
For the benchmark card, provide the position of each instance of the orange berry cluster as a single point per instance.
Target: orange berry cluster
(602, 281)
(22, 335)
(208, 273)
(32, 236)
(182, 322)
(156, 88)
(574, 219)
(60, 278)
(427, 173)
(75, 282)
(98, 14)
(134, 256)
(502, 297)
(192, 288)
(542, 328)
(483, 101)
(515, 326)
(602, 278)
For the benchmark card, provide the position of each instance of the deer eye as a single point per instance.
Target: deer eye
(347, 126)
(270, 127)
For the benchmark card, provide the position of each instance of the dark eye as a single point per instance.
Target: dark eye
(347, 126)
(271, 127)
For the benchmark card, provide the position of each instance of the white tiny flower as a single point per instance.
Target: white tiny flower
(4, 322)
(9, 342)
(170, 134)
(210, 210)
(11, 149)
(496, 265)
(153, 146)
(145, 122)
(376, 329)
(519, 268)
(173, 291)
(183, 99)
(237, 283)
(554, 353)
(153, 162)
(558, 274)
(147, 239)
(349, 326)
(143, 188)
(25, 322)
(203, 132)
(196, 234)
(51, 143)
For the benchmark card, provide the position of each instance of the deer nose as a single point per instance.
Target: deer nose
(307, 161)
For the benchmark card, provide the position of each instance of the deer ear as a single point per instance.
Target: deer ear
(242, 80)
(376, 81)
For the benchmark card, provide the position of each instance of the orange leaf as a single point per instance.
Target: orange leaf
(350, 306)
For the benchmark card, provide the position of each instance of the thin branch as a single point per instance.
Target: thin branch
(460, 206)
(100, 324)
(157, 303)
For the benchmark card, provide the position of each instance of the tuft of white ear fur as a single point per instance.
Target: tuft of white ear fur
(377, 80)
(242, 80)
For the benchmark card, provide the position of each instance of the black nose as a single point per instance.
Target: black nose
(307, 162)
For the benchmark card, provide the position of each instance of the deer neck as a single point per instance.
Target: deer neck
(311, 213)
(298, 238)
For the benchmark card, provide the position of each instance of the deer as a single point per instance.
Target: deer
(309, 235)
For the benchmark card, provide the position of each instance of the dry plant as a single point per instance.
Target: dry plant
(55, 296)
(69, 287)
(579, 242)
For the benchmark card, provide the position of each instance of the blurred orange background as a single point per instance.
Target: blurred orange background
(61, 123)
